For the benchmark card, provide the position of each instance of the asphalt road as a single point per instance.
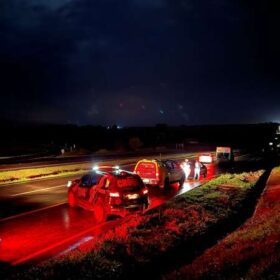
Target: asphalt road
(18, 198)
(36, 222)
(60, 160)
(34, 234)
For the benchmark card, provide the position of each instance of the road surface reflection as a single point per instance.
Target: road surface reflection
(34, 234)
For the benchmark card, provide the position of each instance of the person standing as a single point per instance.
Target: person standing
(196, 170)
(187, 168)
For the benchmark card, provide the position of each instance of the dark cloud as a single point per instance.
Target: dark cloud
(183, 61)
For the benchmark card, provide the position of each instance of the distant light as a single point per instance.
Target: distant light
(69, 184)
(119, 127)
(116, 167)
(161, 111)
(270, 144)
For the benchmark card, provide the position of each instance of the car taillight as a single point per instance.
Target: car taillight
(157, 174)
(114, 194)
(145, 191)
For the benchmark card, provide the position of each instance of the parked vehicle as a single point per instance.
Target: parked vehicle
(206, 158)
(224, 154)
(108, 194)
(160, 172)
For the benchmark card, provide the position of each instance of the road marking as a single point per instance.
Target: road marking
(32, 211)
(39, 190)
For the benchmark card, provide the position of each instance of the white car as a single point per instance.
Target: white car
(206, 158)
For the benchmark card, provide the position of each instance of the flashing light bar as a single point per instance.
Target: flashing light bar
(95, 168)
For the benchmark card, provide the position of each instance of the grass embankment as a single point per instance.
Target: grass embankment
(23, 175)
(252, 251)
(144, 245)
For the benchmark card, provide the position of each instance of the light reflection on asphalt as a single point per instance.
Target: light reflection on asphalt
(30, 234)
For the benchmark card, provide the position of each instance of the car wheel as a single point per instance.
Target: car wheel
(182, 181)
(99, 213)
(166, 184)
(71, 200)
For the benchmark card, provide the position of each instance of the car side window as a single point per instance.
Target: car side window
(169, 164)
(86, 181)
(176, 165)
(95, 178)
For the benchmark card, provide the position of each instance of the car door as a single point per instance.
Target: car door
(100, 199)
(84, 188)
(203, 170)
(177, 171)
(171, 170)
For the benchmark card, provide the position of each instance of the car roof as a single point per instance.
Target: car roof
(149, 160)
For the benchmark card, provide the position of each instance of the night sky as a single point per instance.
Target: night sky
(140, 62)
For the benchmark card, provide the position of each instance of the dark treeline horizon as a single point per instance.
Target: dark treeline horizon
(25, 137)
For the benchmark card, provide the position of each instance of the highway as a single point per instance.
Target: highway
(16, 198)
(36, 222)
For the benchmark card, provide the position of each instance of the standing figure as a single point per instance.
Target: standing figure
(196, 170)
(186, 167)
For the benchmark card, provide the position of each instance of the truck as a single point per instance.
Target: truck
(224, 154)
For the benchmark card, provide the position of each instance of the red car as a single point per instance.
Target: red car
(109, 194)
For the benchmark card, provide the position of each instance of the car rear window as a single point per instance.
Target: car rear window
(146, 165)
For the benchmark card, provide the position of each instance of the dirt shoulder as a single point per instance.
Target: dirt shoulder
(251, 252)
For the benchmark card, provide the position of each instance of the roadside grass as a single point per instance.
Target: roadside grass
(144, 245)
(43, 172)
(250, 252)
(23, 175)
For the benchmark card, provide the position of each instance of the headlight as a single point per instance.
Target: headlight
(69, 184)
